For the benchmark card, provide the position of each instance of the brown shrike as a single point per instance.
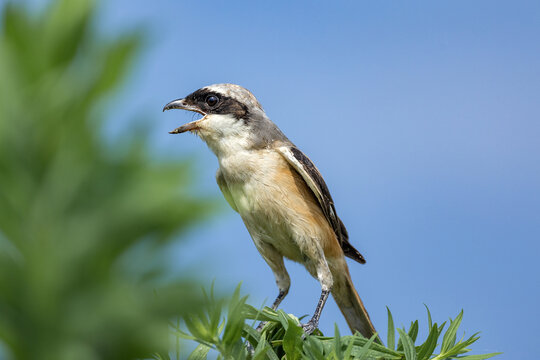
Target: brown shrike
(280, 195)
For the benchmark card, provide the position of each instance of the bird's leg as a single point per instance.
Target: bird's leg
(279, 299)
(318, 267)
(313, 323)
(275, 260)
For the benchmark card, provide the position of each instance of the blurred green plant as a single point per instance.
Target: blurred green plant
(76, 213)
(283, 338)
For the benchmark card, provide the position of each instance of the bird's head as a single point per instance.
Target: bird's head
(231, 117)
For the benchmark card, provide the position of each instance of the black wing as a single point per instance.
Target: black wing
(315, 181)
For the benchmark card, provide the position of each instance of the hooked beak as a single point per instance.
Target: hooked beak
(181, 104)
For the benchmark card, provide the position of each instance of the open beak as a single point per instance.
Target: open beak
(181, 104)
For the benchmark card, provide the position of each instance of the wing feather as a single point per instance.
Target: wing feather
(313, 178)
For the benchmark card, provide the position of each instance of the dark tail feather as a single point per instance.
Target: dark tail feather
(346, 246)
(352, 253)
(351, 305)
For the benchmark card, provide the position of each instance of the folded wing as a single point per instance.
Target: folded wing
(313, 178)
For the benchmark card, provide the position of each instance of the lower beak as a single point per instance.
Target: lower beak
(181, 104)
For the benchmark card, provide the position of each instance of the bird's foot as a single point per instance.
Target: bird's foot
(260, 326)
(250, 349)
(310, 327)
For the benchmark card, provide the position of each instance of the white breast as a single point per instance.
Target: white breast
(250, 176)
(262, 201)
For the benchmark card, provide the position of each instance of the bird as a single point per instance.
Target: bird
(280, 195)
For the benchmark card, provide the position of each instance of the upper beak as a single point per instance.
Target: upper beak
(181, 104)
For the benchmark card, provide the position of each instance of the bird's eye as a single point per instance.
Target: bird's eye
(212, 100)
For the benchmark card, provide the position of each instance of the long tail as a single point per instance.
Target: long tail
(351, 305)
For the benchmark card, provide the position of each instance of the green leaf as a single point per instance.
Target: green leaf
(348, 350)
(461, 346)
(264, 314)
(408, 345)
(313, 348)
(441, 327)
(364, 350)
(262, 348)
(271, 354)
(158, 356)
(413, 331)
(68, 24)
(235, 319)
(373, 354)
(200, 353)
(215, 309)
(292, 341)
(361, 341)
(338, 351)
(391, 340)
(197, 329)
(478, 357)
(449, 338)
(427, 348)
(182, 334)
(284, 319)
(251, 334)
(116, 64)
(236, 351)
(429, 316)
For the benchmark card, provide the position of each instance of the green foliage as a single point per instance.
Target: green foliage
(282, 337)
(82, 225)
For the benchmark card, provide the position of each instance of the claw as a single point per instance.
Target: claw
(309, 327)
(250, 349)
(312, 324)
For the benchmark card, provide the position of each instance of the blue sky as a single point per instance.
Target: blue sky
(424, 119)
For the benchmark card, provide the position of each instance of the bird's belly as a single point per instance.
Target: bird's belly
(275, 203)
(262, 187)
(266, 218)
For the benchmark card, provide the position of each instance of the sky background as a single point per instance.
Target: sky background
(424, 119)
